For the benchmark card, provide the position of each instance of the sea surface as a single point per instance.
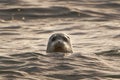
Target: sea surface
(94, 29)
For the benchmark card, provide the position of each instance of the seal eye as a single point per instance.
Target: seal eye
(65, 39)
(54, 38)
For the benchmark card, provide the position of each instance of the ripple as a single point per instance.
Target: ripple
(32, 13)
(78, 33)
(27, 38)
(67, 77)
(31, 69)
(111, 27)
(11, 62)
(11, 27)
(10, 2)
(28, 54)
(108, 5)
(114, 52)
(63, 67)
(4, 57)
(8, 33)
(11, 72)
(117, 36)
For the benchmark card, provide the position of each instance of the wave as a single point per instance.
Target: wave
(113, 52)
(35, 13)
(30, 65)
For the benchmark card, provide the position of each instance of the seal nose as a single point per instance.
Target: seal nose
(59, 42)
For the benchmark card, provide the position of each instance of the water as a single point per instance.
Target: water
(94, 29)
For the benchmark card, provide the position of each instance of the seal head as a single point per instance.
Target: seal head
(59, 42)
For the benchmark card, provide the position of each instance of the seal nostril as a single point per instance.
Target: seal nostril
(59, 42)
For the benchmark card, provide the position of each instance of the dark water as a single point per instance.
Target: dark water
(94, 28)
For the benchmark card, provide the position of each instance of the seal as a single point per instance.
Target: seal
(59, 42)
